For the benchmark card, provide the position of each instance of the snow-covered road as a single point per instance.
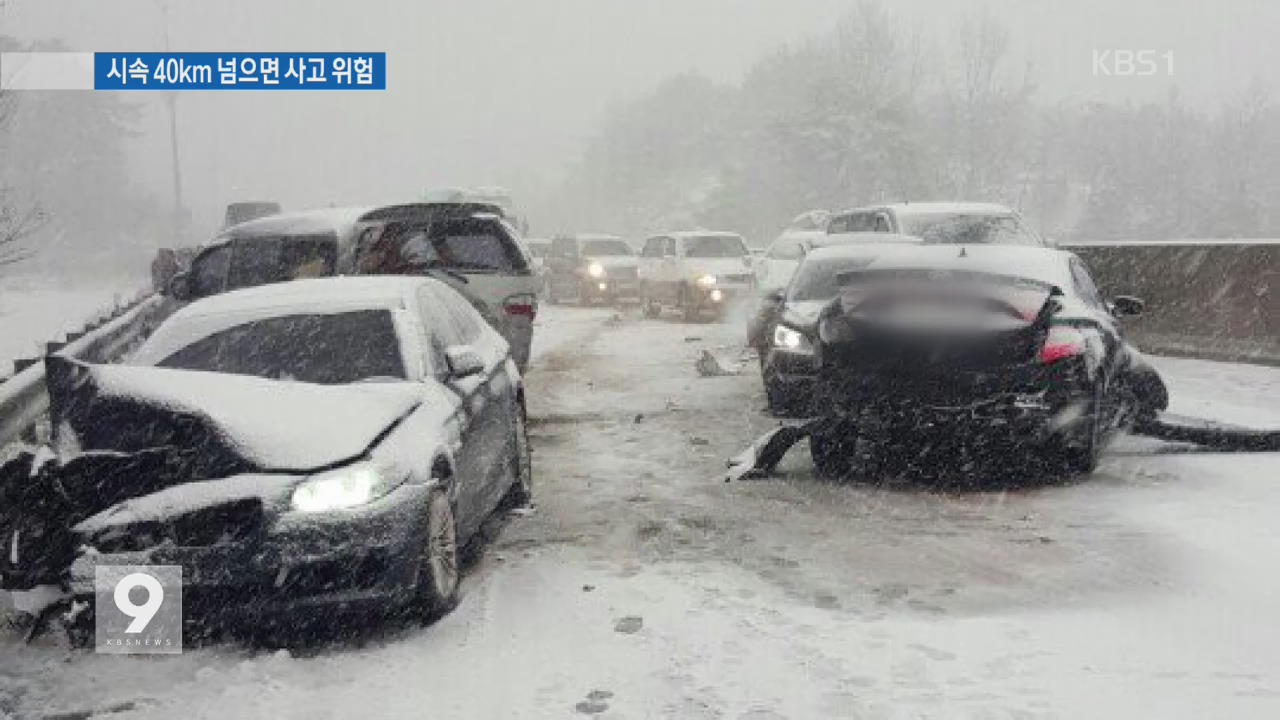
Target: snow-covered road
(643, 586)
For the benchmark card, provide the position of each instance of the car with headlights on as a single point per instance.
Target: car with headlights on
(785, 328)
(591, 268)
(696, 272)
(323, 443)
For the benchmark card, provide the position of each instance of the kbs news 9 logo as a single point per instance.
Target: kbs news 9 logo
(138, 609)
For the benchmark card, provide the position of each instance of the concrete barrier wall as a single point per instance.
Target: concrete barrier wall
(1215, 299)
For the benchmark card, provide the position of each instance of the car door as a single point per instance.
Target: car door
(440, 332)
(493, 402)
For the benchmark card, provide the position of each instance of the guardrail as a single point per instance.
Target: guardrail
(23, 400)
(1213, 299)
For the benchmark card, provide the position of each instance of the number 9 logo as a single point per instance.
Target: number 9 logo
(141, 614)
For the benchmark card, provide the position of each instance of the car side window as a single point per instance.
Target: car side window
(437, 330)
(669, 247)
(1085, 286)
(652, 248)
(209, 271)
(853, 222)
(881, 223)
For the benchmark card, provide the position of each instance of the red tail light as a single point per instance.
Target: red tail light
(521, 306)
(1063, 341)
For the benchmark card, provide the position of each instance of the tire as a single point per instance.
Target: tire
(1082, 456)
(438, 562)
(775, 395)
(520, 494)
(831, 457)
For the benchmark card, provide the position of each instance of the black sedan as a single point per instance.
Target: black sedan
(1001, 352)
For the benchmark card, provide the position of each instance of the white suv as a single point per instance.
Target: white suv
(467, 245)
(695, 272)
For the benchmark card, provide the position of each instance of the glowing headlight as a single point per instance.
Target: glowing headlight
(790, 339)
(706, 281)
(595, 270)
(338, 489)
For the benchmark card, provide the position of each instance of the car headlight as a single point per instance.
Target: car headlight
(339, 489)
(786, 338)
(595, 270)
(706, 281)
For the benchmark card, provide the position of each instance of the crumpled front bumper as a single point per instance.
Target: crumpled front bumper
(365, 558)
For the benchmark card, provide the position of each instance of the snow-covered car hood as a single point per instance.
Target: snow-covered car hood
(264, 424)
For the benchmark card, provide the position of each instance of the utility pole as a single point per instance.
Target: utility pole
(171, 99)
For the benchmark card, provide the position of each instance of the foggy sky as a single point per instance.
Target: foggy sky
(505, 91)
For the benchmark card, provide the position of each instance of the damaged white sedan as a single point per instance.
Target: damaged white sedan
(317, 443)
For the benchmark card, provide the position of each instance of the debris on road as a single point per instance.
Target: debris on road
(1209, 433)
(763, 456)
(629, 625)
(708, 365)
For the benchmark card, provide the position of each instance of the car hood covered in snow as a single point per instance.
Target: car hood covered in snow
(239, 423)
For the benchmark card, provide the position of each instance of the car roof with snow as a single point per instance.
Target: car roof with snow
(681, 234)
(317, 296)
(864, 238)
(305, 222)
(1034, 263)
(937, 208)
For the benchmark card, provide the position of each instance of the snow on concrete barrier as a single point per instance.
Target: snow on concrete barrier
(1214, 299)
(23, 400)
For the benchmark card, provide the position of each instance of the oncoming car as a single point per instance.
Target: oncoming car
(785, 329)
(591, 268)
(695, 272)
(322, 443)
(998, 351)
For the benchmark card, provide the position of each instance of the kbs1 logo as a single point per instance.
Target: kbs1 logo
(138, 609)
(1132, 63)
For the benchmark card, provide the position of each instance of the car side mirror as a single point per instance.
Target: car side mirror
(178, 287)
(463, 362)
(1127, 306)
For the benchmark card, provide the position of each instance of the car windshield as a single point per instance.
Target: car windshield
(969, 229)
(714, 246)
(470, 245)
(606, 247)
(327, 349)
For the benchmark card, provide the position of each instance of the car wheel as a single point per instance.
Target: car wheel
(776, 396)
(1082, 455)
(831, 457)
(520, 493)
(438, 569)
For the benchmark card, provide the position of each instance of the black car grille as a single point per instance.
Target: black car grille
(221, 524)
